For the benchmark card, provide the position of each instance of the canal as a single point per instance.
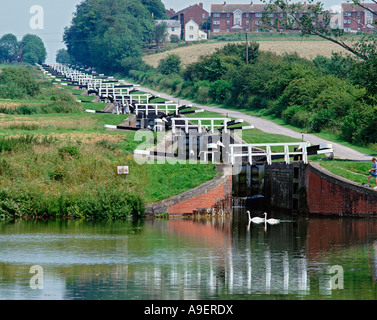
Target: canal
(201, 258)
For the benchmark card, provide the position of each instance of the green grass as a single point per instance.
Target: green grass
(65, 164)
(356, 171)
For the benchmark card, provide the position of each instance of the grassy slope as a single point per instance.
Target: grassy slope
(34, 165)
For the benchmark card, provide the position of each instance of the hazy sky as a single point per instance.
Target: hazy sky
(16, 17)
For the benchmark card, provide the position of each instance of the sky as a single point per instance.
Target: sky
(48, 18)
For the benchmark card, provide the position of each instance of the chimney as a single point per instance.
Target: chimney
(201, 5)
(224, 3)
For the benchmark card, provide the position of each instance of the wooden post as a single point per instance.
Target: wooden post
(247, 49)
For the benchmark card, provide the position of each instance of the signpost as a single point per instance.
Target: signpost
(123, 170)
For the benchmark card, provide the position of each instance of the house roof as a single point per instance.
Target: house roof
(188, 9)
(350, 7)
(170, 23)
(245, 8)
(230, 8)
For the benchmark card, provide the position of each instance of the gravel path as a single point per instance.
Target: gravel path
(340, 151)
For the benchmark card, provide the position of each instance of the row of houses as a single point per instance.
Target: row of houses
(192, 23)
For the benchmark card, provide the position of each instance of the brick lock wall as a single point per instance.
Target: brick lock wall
(328, 194)
(213, 199)
(214, 195)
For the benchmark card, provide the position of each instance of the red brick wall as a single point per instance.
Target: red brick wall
(217, 198)
(332, 195)
(195, 13)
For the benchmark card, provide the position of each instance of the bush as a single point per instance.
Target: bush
(102, 204)
(68, 152)
(174, 38)
(170, 65)
(220, 91)
(18, 83)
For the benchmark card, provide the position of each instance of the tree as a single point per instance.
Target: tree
(9, 48)
(170, 65)
(156, 8)
(110, 34)
(160, 33)
(62, 56)
(311, 18)
(33, 49)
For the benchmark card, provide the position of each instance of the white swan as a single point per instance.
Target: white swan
(255, 219)
(271, 221)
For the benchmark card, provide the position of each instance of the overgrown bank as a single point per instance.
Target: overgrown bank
(326, 94)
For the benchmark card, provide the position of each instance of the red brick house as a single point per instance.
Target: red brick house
(194, 12)
(227, 18)
(170, 12)
(357, 19)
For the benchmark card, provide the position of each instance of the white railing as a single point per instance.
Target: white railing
(154, 108)
(214, 123)
(264, 149)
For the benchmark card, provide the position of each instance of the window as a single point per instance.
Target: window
(216, 15)
(216, 30)
(191, 36)
(237, 17)
(247, 15)
(347, 14)
(172, 29)
(203, 15)
(191, 27)
(368, 17)
(247, 22)
(228, 23)
(258, 15)
(216, 22)
(228, 15)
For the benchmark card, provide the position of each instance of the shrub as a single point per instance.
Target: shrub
(170, 65)
(68, 152)
(17, 81)
(220, 91)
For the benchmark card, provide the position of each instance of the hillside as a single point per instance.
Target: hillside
(304, 48)
(58, 161)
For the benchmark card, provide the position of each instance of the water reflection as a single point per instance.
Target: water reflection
(190, 259)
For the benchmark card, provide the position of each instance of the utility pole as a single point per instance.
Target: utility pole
(247, 49)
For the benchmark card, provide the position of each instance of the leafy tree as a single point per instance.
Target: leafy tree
(108, 34)
(160, 33)
(170, 65)
(33, 49)
(9, 48)
(62, 56)
(156, 8)
(310, 18)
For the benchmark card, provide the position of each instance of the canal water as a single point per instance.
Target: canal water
(203, 258)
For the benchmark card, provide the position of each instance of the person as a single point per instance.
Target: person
(127, 108)
(373, 172)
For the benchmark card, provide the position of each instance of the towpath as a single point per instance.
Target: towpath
(267, 126)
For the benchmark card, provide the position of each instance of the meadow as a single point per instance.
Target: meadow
(308, 49)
